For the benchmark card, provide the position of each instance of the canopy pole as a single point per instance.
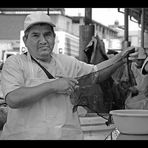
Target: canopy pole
(86, 32)
(47, 11)
(126, 28)
(88, 16)
(142, 27)
(126, 24)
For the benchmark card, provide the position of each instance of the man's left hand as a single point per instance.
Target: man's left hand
(131, 52)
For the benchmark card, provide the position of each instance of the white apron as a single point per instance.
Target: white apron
(51, 118)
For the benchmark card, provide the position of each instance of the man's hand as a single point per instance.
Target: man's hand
(65, 85)
(131, 53)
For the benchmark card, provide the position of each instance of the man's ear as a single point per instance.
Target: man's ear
(24, 39)
(54, 35)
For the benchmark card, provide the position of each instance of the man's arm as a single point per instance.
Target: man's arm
(108, 67)
(108, 71)
(16, 93)
(25, 96)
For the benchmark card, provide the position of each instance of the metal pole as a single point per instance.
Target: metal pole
(126, 24)
(142, 27)
(126, 43)
(47, 11)
(85, 32)
(88, 16)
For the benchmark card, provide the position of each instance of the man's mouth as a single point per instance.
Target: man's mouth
(44, 47)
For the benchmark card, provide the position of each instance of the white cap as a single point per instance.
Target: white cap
(36, 18)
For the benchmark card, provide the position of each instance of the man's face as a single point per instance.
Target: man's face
(40, 41)
(139, 63)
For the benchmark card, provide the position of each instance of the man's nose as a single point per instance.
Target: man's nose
(42, 39)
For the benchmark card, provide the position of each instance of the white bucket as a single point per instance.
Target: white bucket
(95, 128)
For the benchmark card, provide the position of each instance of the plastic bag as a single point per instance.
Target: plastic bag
(137, 102)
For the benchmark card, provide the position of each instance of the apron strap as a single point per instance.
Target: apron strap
(46, 72)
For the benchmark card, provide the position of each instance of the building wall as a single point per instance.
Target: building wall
(134, 40)
(66, 44)
(146, 40)
(62, 22)
(10, 26)
(75, 30)
(134, 37)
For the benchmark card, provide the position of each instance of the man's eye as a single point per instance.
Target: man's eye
(35, 35)
(48, 34)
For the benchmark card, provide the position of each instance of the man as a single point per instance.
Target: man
(38, 107)
(136, 68)
(138, 98)
(144, 71)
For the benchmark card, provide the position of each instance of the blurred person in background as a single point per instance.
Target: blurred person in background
(139, 94)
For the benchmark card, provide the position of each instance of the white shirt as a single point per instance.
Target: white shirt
(51, 117)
